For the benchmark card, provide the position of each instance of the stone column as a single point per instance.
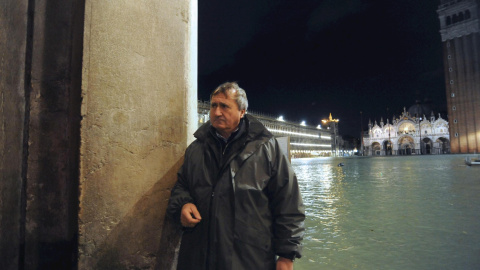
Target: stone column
(138, 113)
(40, 116)
(13, 35)
(97, 105)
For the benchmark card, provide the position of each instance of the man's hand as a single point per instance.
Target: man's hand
(190, 215)
(284, 264)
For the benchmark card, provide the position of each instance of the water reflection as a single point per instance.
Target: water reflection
(390, 213)
(322, 189)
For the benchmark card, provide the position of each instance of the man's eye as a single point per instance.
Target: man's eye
(224, 106)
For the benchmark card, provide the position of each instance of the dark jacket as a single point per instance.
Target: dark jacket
(248, 197)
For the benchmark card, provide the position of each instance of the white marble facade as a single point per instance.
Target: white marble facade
(408, 135)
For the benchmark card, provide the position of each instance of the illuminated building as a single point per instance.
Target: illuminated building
(460, 32)
(408, 135)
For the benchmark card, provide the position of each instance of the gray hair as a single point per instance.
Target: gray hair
(238, 93)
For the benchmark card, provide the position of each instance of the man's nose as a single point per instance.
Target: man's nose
(217, 111)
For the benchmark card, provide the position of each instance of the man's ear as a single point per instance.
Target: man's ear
(242, 114)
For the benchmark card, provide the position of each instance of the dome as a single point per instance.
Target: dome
(420, 109)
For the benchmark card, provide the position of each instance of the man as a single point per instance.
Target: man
(236, 195)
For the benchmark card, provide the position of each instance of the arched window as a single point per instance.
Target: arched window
(449, 20)
(454, 18)
(467, 14)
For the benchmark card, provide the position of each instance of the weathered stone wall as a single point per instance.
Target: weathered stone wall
(41, 47)
(51, 226)
(13, 34)
(139, 105)
(137, 97)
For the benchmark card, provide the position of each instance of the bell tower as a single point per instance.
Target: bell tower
(460, 32)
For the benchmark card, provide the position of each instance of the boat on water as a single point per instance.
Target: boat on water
(472, 161)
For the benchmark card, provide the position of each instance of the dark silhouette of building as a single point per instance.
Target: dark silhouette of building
(460, 31)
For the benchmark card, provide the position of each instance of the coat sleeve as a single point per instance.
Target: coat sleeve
(180, 194)
(286, 206)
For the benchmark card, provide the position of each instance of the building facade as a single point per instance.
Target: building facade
(460, 32)
(408, 135)
(304, 140)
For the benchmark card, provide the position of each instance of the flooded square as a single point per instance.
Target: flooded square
(416, 212)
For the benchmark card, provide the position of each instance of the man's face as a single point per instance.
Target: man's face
(224, 113)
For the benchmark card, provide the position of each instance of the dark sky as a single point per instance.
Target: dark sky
(304, 59)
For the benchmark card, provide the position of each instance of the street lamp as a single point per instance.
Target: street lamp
(420, 129)
(389, 129)
(361, 133)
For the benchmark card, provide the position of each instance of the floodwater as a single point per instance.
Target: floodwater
(415, 212)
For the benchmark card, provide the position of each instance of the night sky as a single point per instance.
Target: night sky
(304, 59)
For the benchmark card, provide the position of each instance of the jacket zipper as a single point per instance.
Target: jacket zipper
(211, 214)
(209, 234)
(225, 149)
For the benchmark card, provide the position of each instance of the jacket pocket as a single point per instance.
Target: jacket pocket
(252, 248)
(251, 236)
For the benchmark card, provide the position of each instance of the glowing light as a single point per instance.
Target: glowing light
(330, 119)
(311, 144)
(303, 123)
(319, 127)
(280, 118)
(294, 133)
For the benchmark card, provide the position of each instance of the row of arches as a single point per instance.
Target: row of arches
(461, 16)
(407, 146)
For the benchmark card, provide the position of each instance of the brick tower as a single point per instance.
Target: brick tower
(460, 31)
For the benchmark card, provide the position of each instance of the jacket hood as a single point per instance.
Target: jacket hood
(254, 129)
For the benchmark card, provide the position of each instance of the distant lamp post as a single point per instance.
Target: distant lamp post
(420, 129)
(389, 140)
(361, 134)
(333, 122)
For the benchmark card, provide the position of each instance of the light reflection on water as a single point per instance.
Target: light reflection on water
(390, 213)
